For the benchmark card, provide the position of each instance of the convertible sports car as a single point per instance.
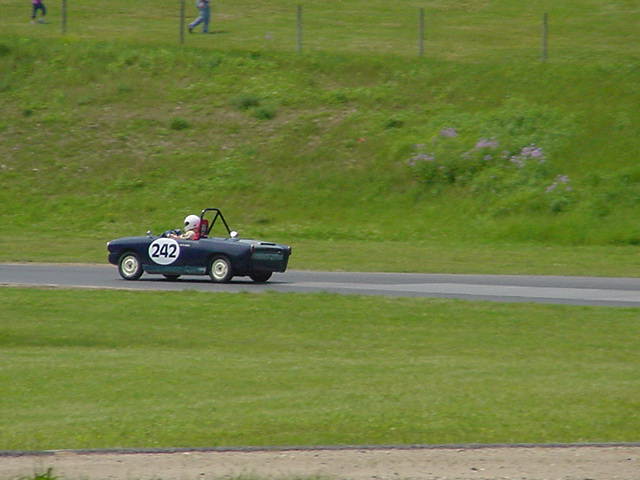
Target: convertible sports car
(219, 257)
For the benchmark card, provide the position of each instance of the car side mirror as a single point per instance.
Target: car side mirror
(233, 234)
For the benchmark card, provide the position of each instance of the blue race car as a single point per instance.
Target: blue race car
(219, 257)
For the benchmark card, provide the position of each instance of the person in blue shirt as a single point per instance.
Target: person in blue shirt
(38, 5)
(205, 15)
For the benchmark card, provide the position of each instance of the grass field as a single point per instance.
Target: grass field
(106, 369)
(477, 157)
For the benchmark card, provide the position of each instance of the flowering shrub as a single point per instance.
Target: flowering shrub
(443, 162)
(511, 179)
(500, 155)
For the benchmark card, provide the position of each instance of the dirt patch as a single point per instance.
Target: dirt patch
(509, 463)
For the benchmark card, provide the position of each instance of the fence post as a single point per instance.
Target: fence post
(421, 34)
(182, 21)
(545, 36)
(299, 28)
(64, 17)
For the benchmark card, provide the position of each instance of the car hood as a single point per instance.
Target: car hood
(249, 241)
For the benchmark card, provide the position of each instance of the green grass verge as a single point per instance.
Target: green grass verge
(92, 369)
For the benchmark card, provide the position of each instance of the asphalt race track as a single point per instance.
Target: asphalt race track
(499, 288)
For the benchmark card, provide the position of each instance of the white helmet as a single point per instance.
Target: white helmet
(191, 222)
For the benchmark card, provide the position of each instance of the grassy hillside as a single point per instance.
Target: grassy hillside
(115, 128)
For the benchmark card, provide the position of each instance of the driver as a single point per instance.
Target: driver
(191, 222)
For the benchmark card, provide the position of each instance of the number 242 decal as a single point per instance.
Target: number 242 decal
(164, 251)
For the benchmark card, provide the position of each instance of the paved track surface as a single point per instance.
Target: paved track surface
(501, 288)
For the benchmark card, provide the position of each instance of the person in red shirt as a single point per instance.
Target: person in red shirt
(191, 223)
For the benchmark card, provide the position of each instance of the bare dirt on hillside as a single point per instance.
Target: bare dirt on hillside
(491, 463)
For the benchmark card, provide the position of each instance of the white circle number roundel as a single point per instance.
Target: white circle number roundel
(164, 251)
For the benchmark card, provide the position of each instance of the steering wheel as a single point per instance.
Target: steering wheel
(171, 232)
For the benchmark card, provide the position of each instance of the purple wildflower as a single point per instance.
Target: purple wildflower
(420, 157)
(527, 153)
(532, 151)
(518, 161)
(448, 132)
(486, 143)
(560, 179)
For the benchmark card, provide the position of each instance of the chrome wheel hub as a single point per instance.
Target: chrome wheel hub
(129, 266)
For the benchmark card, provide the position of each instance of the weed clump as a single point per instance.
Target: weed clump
(265, 113)
(48, 475)
(178, 123)
(393, 123)
(252, 103)
(245, 101)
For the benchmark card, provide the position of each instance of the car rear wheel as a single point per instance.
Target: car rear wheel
(260, 277)
(220, 270)
(129, 266)
(171, 277)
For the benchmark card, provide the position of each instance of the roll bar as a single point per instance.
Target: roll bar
(213, 221)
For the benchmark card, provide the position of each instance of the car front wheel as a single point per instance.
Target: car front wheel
(220, 270)
(129, 266)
